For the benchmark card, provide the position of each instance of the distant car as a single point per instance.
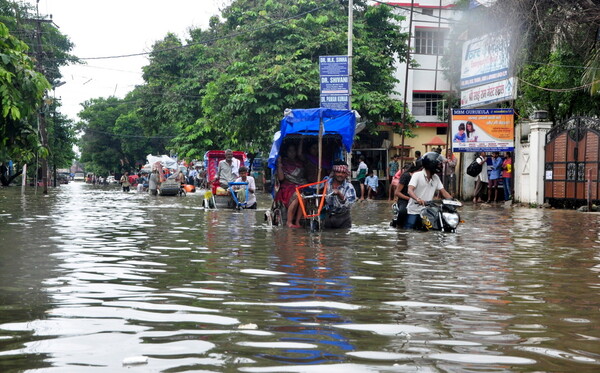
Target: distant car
(79, 176)
(111, 180)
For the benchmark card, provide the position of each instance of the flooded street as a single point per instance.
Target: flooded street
(92, 279)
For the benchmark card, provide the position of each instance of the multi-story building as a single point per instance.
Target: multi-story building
(425, 85)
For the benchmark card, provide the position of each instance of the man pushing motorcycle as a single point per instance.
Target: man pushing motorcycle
(422, 188)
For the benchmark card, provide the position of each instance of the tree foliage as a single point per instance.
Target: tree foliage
(21, 92)
(24, 82)
(113, 137)
(555, 54)
(228, 86)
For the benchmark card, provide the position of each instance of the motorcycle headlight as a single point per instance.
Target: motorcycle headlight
(451, 219)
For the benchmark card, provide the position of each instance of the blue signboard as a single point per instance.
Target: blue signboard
(336, 102)
(333, 65)
(335, 85)
(335, 82)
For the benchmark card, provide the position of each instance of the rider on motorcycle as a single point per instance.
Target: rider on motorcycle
(422, 187)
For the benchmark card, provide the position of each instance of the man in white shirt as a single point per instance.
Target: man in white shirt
(482, 180)
(422, 188)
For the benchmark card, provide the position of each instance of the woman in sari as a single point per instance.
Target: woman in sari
(290, 173)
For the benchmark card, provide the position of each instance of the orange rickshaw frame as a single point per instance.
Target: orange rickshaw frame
(301, 198)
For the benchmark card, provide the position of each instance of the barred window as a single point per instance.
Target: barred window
(426, 103)
(429, 41)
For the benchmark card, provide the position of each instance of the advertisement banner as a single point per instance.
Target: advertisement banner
(488, 130)
(503, 90)
(484, 60)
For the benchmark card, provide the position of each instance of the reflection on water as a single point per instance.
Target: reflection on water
(95, 279)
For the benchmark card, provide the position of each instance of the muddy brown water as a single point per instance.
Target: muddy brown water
(93, 279)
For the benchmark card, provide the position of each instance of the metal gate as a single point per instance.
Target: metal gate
(572, 160)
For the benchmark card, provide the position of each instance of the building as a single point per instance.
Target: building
(425, 85)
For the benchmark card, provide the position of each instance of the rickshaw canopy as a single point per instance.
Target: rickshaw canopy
(308, 121)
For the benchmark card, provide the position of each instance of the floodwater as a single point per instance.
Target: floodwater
(93, 279)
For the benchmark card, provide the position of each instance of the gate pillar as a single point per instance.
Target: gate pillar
(529, 164)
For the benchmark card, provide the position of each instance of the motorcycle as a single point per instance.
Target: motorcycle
(441, 215)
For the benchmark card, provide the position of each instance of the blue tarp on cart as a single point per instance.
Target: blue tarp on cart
(307, 122)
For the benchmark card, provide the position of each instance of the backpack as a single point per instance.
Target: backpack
(474, 169)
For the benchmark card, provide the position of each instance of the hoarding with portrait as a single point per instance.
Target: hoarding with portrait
(487, 130)
(484, 60)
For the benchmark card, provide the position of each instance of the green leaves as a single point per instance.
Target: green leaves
(262, 58)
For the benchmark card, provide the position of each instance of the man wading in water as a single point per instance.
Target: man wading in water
(341, 198)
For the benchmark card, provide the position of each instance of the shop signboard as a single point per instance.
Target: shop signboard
(484, 60)
(486, 94)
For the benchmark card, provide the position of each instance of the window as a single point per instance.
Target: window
(441, 130)
(429, 41)
(427, 12)
(426, 103)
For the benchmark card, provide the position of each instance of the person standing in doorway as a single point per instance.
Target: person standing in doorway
(450, 172)
(392, 169)
(507, 176)
(495, 177)
(371, 183)
(362, 175)
(481, 180)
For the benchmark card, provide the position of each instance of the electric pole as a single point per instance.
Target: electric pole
(39, 58)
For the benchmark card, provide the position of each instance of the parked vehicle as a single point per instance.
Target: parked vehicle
(333, 131)
(219, 197)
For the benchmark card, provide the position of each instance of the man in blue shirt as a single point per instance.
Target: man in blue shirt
(495, 177)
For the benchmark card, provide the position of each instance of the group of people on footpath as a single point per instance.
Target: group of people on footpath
(487, 183)
(447, 174)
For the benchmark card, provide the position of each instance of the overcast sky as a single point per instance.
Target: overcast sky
(115, 27)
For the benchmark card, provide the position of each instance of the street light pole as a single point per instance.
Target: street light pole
(350, 27)
(412, 8)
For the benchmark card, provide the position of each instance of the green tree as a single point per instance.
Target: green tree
(113, 137)
(21, 92)
(20, 19)
(229, 85)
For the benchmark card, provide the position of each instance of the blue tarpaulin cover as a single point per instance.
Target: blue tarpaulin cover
(307, 122)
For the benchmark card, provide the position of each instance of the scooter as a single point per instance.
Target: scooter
(441, 215)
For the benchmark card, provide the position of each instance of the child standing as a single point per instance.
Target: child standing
(371, 182)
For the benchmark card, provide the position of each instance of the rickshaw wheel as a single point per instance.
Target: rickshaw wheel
(314, 225)
(277, 218)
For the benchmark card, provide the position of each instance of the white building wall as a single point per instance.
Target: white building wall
(428, 76)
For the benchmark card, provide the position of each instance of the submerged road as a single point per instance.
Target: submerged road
(93, 279)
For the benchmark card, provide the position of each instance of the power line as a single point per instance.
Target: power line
(573, 89)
